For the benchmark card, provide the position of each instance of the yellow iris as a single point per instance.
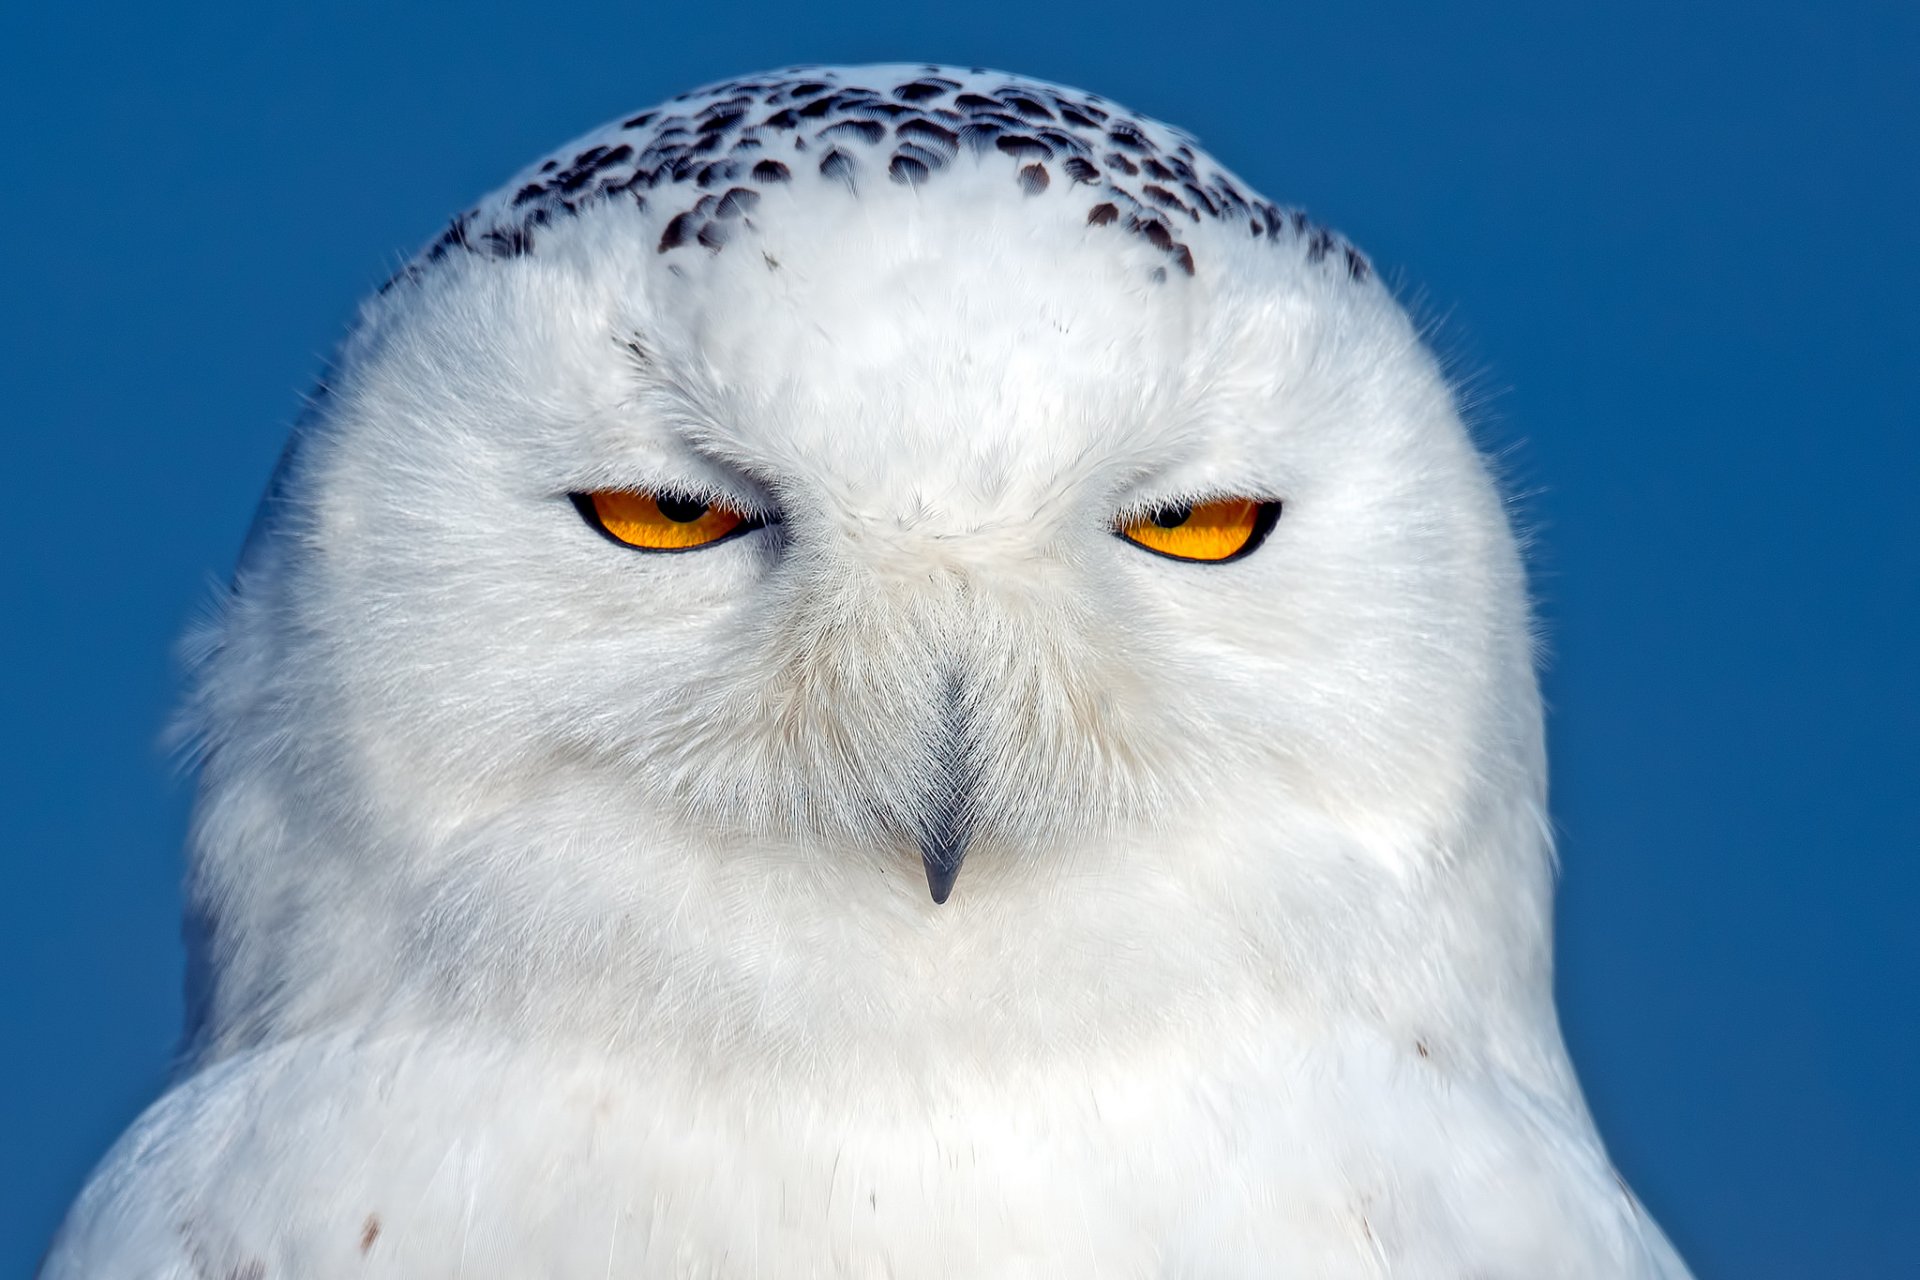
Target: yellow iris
(1209, 531)
(660, 521)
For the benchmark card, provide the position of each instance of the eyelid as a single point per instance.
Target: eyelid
(750, 502)
(1141, 508)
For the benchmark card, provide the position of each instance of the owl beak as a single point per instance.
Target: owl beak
(943, 846)
(946, 824)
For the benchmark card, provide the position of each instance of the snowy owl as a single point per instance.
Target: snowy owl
(872, 672)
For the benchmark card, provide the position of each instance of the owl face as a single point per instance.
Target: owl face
(907, 523)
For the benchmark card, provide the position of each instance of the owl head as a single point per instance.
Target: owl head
(858, 532)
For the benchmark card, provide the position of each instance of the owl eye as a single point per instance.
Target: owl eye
(661, 521)
(1212, 532)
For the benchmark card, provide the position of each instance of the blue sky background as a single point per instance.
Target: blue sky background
(1671, 247)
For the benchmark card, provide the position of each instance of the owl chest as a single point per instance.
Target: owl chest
(495, 1164)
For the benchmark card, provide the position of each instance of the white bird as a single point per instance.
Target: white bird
(723, 530)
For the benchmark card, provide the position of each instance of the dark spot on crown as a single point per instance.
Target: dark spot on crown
(931, 159)
(1101, 214)
(1033, 179)
(714, 235)
(1166, 199)
(866, 131)
(1063, 142)
(1154, 230)
(1003, 119)
(974, 102)
(921, 90)
(837, 164)
(634, 182)
(929, 133)
(658, 153)
(1124, 165)
(677, 231)
(1031, 108)
(1080, 170)
(738, 201)
(906, 169)
(1183, 256)
(771, 171)
(1128, 136)
(979, 135)
(722, 122)
(635, 122)
(1154, 169)
(782, 119)
(1021, 147)
(532, 191)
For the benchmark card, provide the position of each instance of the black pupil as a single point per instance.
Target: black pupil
(681, 510)
(1172, 517)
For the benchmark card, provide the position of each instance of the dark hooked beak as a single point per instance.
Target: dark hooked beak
(943, 846)
(947, 825)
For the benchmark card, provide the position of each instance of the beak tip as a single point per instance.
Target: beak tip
(940, 880)
(942, 859)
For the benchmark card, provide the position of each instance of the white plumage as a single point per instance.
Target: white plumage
(561, 906)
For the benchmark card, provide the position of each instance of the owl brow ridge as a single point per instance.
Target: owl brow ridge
(691, 426)
(704, 160)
